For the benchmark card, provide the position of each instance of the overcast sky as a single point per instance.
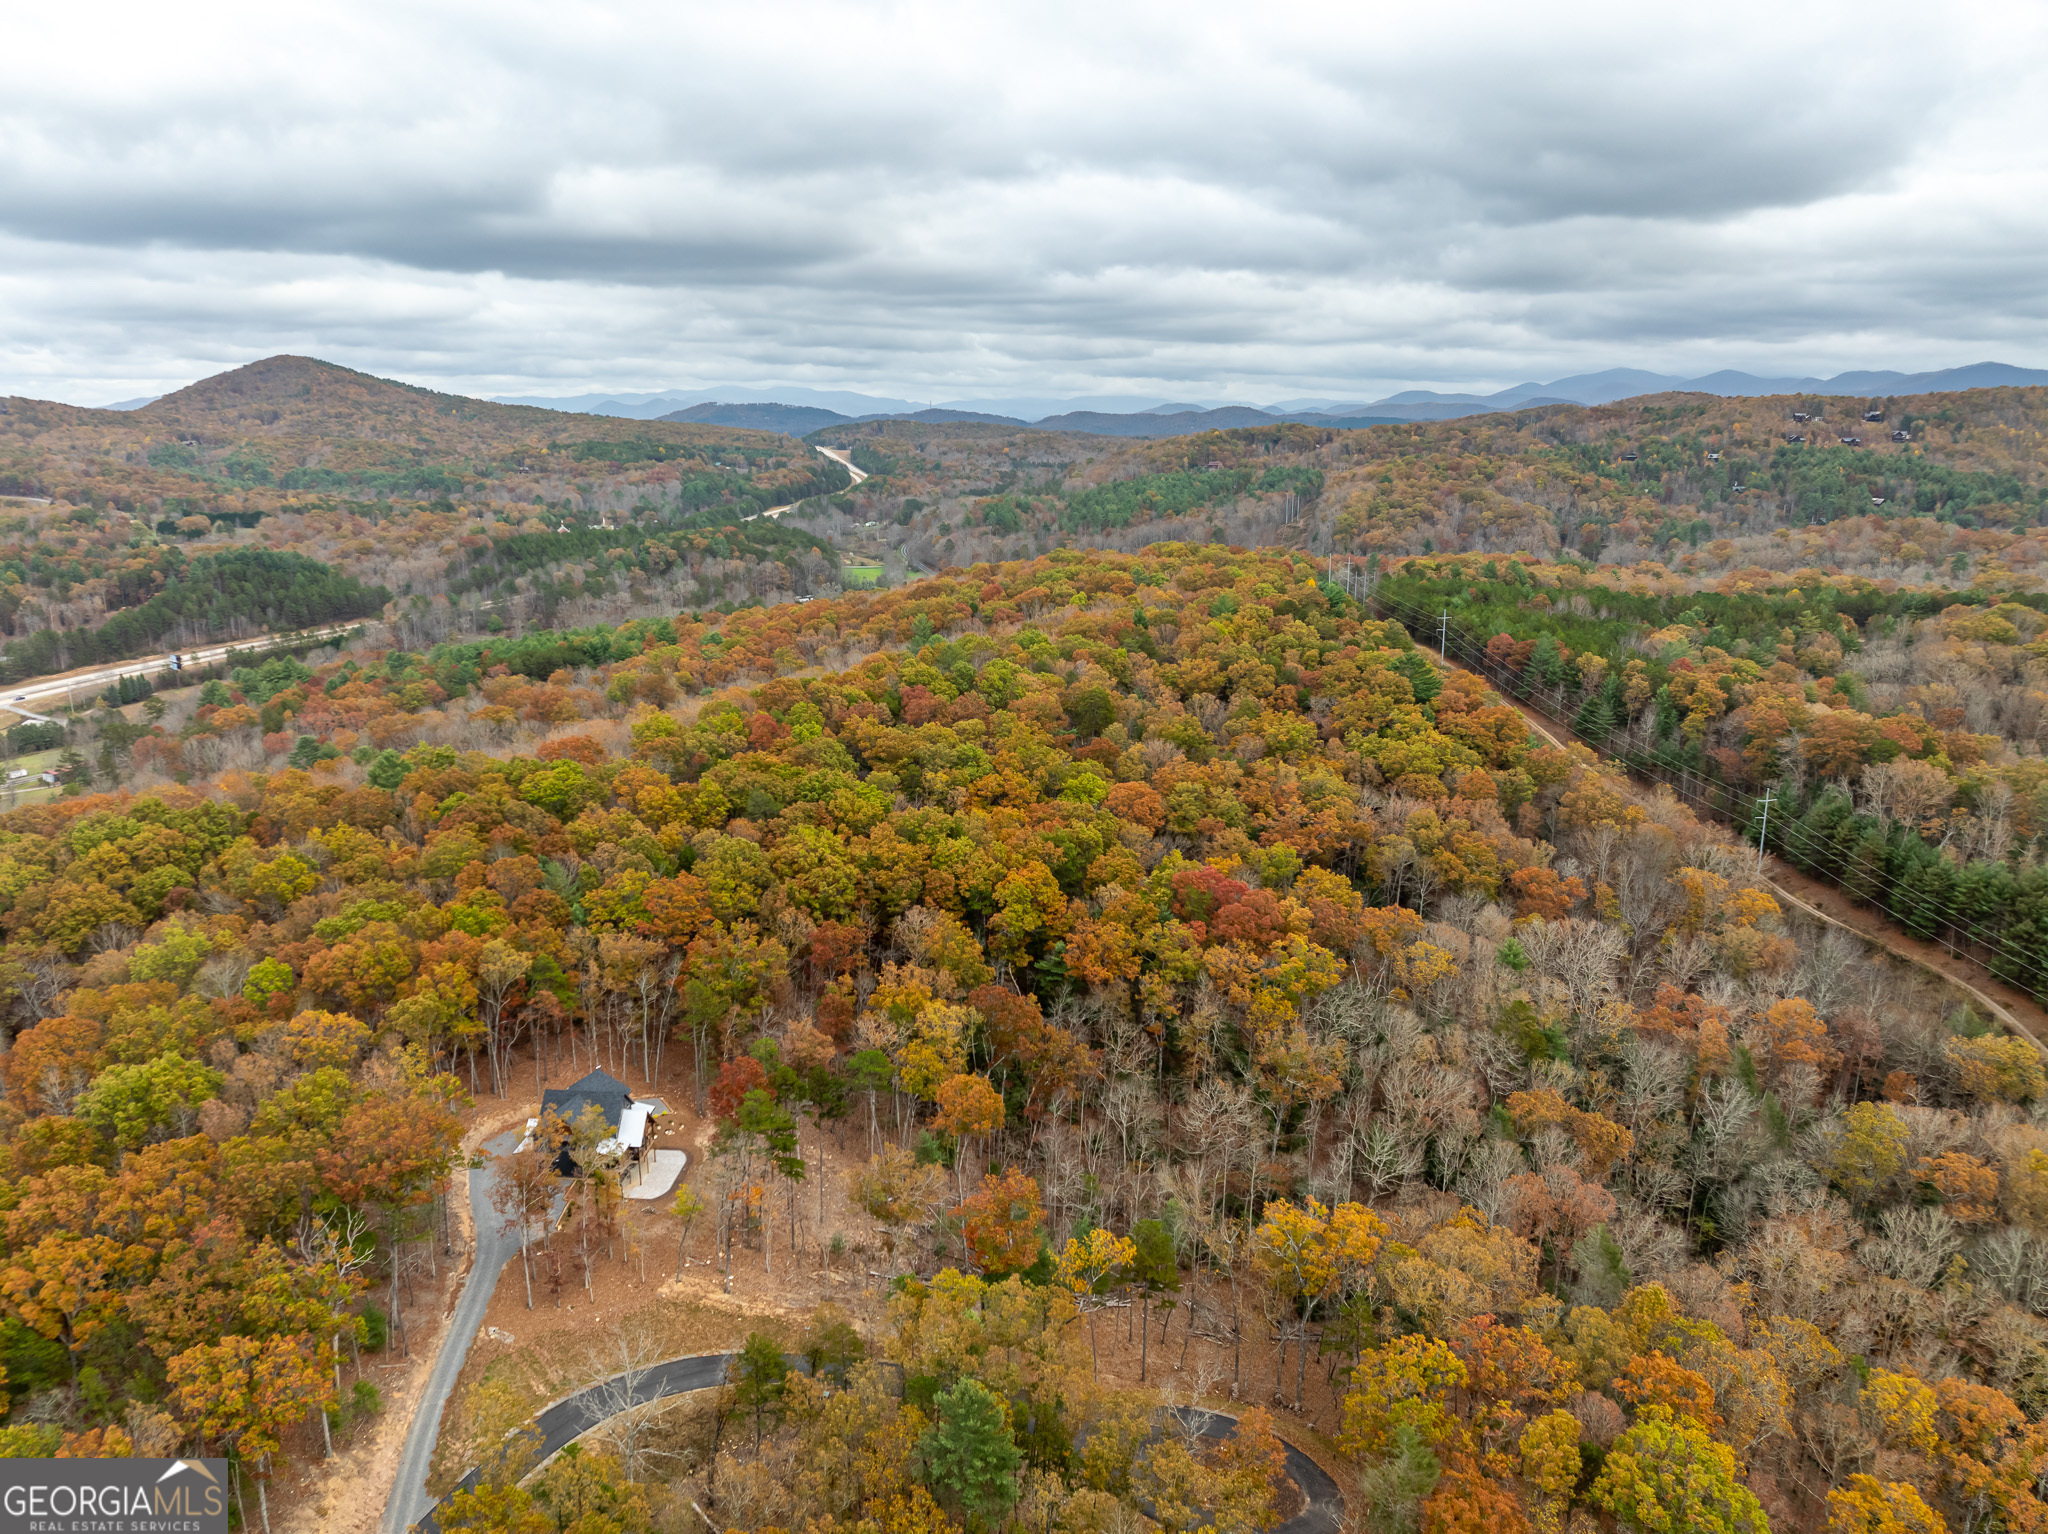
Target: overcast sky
(936, 201)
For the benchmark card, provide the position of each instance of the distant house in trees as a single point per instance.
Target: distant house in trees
(625, 1118)
(1902, 436)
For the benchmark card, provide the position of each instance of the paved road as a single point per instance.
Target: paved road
(494, 1248)
(573, 1416)
(568, 1420)
(19, 698)
(841, 456)
(837, 457)
(1324, 1512)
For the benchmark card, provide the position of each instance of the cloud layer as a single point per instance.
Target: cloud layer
(935, 201)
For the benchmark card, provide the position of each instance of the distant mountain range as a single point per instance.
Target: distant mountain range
(799, 410)
(652, 407)
(849, 406)
(1627, 383)
(1185, 422)
(800, 420)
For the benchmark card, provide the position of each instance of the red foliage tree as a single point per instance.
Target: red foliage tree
(736, 1078)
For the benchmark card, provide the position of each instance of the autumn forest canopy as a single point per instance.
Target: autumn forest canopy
(1129, 888)
(1244, 949)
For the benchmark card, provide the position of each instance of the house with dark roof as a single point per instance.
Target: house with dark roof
(626, 1119)
(599, 1087)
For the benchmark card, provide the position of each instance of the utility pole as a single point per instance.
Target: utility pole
(1443, 636)
(1762, 830)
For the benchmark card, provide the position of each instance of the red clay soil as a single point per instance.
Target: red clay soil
(1827, 903)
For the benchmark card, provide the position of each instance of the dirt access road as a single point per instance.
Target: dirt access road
(1825, 903)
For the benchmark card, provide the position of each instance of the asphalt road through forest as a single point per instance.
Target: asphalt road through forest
(22, 697)
(845, 460)
(567, 1420)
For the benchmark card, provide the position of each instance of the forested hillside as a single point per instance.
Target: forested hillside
(481, 517)
(1698, 483)
(1560, 1176)
(1898, 728)
(474, 515)
(230, 595)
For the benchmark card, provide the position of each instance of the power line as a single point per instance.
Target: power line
(1892, 893)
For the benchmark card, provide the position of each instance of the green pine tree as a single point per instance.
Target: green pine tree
(1154, 1272)
(1422, 676)
(1595, 719)
(760, 1374)
(970, 1453)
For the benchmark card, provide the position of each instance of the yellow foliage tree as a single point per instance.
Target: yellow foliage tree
(1551, 1465)
(1666, 1474)
(1308, 1254)
(933, 1049)
(1998, 1070)
(1407, 1383)
(1087, 1264)
(2024, 1187)
(1869, 1150)
(1904, 1410)
(1865, 1505)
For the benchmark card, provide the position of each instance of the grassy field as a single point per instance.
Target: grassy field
(853, 577)
(18, 792)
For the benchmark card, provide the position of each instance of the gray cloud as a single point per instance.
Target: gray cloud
(929, 200)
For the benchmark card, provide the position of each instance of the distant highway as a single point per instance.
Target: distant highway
(21, 698)
(837, 457)
(846, 459)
